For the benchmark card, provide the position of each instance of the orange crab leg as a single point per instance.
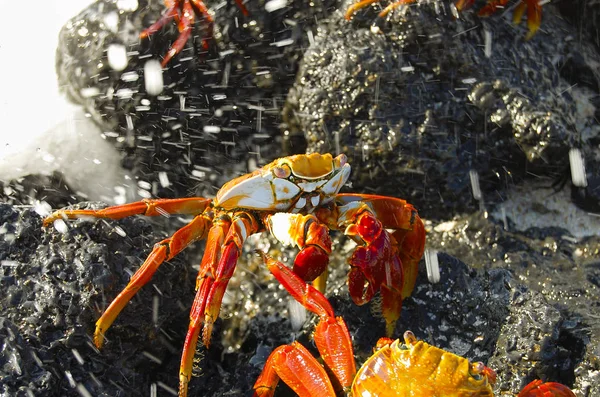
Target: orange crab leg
(463, 4)
(364, 3)
(218, 265)
(164, 250)
(534, 16)
(298, 369)
(204, 282)
(393, 6)
(491, 7)
(358, 6)
(538, 388)
(331, 334)
(184, 206)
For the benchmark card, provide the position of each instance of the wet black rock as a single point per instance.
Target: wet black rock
(219, 105)
(32, 189)
(418, 98)
(416, 108)
(55, 286)
(553, 325)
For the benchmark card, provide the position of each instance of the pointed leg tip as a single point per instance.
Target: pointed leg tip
(98, 340)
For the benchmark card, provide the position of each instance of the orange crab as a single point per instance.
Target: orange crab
(410, 369)
(297, 199)
(533, 7)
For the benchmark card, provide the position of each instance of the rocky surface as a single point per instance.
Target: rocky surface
(56, 284)
(415, 103)
(421, 97)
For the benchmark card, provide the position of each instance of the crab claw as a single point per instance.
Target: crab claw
(538, 388)
(376, 265)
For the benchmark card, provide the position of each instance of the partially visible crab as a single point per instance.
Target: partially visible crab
(533, 7)
(410, 369)
(184, 13)
(297, 199)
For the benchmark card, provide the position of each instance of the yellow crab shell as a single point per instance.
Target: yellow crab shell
(416, 368)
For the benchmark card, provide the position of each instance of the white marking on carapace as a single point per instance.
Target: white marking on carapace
(311, 186)
(280, 225)
(333, 186)
(254, 192)
(284, 189)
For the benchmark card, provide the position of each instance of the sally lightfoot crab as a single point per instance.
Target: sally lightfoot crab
(533, 8)
(297, 200)
(410, 369)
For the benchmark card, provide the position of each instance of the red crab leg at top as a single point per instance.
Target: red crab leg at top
(533, 7)
(534, 10)
(293, 363)
(164, 250)
(184, 13)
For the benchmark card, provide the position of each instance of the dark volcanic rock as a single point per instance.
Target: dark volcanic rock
(55, 286)
(416, 108)
(218, 106)
(421, 101)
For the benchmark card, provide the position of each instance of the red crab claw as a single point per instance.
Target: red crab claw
(184, 13)
(376, 266)
(383, 261)
(538, 388)
(309, 234)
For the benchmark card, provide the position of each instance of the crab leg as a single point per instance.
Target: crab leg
(164, 250)
(331, 337)
(534, 16)
(184, 206)
(158, 25)
(298, 369)
(364, 3)
(358, 6)
(223, 248)
(184, 14)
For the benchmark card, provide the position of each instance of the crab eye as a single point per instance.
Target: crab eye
(340, 161)
(476, 369)
(282, 171)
